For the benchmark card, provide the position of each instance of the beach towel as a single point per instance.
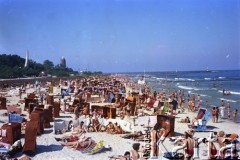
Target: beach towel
(164, 108)
(89, 148)
(201, 113)
(3, 150)
(99, 146)
(200, 122)
(4, 145)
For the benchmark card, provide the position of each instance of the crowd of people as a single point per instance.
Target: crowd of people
(130, 100)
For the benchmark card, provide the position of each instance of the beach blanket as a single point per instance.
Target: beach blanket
(88, 148)
(4, 147)
(99, 146)
(3, 150)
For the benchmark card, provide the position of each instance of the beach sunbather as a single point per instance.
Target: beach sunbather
(80, 144)
(185, 120)
(117, 129)
(110, 128)
(71, 138)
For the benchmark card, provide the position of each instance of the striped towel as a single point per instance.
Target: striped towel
(99, 146)
(89, 148)
(3, 150)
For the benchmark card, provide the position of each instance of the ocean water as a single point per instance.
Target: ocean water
(208, 84)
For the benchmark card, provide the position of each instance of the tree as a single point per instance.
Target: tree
(48, 65)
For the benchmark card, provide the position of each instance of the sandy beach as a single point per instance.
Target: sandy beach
(48, 148)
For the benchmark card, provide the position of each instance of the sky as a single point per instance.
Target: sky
(124, 35)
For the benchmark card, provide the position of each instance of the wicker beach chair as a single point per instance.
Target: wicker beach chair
(30, 137)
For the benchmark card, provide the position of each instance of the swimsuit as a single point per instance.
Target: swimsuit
(213, 151)
(189, 151)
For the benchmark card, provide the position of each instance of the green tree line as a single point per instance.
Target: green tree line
(12, 66)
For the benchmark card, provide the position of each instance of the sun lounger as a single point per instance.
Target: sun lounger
(201, 120)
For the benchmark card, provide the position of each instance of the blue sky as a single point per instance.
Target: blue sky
(124, 35)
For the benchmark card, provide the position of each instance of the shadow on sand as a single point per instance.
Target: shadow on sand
(50, 148)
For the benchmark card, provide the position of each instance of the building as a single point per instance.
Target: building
(63, 62)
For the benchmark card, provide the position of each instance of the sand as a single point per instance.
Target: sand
(49, 149)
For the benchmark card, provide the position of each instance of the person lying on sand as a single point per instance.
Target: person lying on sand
(185, 120)
(126, 156)
(80, 144)
(138, 136)
(71, 138)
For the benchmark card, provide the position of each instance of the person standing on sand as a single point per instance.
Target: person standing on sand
(235, 115)
(206, 104)
(20, 93)
(229, 110)
(217, 114)
(154, 139)
(214, 114)
(222, 112)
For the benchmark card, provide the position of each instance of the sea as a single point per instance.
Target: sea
(208, 84)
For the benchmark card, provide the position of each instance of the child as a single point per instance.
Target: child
(229, 114)
(235, 115)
